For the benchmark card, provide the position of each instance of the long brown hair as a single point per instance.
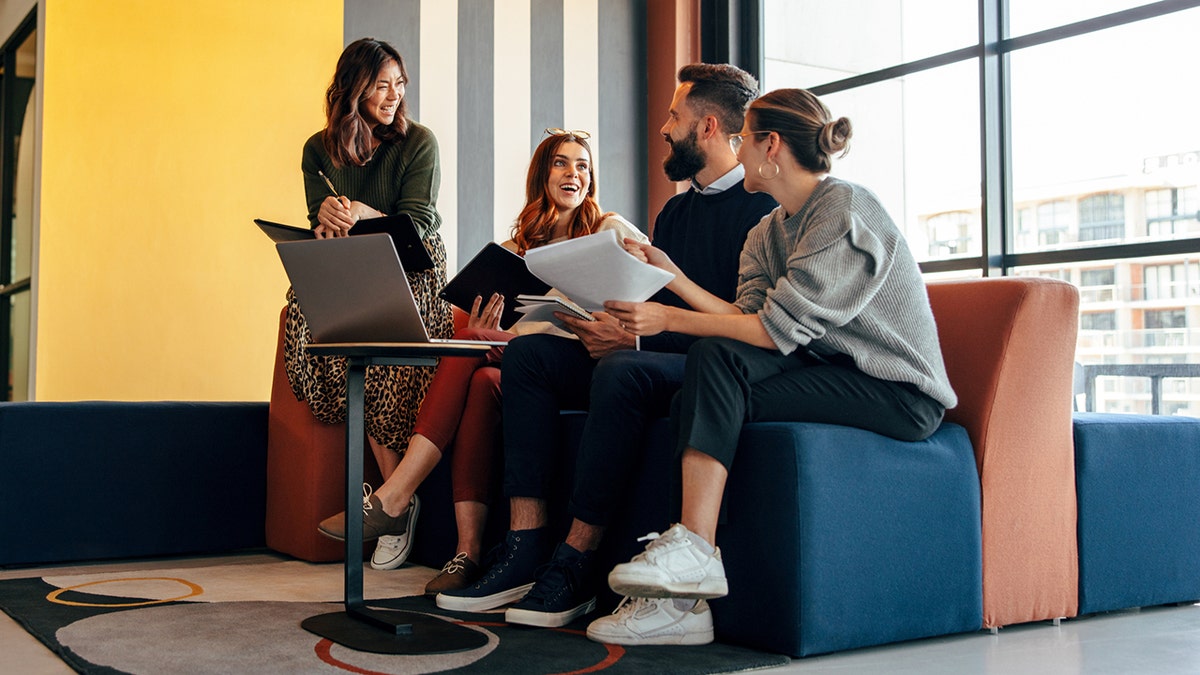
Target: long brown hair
(347, 136)
(535, 225)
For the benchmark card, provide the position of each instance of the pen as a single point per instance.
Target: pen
(331, 188)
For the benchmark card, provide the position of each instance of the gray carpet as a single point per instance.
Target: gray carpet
(246, 618)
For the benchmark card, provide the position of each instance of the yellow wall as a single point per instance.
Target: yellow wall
(167, 127)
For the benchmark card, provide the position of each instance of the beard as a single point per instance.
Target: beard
(686, 159)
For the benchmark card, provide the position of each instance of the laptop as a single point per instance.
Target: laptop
(412, 251)
(353, 289)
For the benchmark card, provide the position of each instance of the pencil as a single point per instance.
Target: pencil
(328, 183)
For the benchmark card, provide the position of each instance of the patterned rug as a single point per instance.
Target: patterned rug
(246, 618)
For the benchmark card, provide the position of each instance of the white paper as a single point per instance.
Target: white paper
(595, 268)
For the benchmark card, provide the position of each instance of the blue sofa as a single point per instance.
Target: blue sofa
(1138, 481)
(98, 480)
(839, 538)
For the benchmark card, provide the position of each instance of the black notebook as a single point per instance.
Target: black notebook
(413, 254)
(494, 269)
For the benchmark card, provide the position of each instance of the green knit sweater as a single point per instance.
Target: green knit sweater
(401, 177)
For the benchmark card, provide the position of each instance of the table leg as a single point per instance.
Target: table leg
(355, 433)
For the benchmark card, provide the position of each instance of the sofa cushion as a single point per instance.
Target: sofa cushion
(104, 479)
(1138, 481)
(839, 538)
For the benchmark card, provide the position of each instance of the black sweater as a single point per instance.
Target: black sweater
(704, 235)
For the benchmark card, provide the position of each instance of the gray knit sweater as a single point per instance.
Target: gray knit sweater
(837, 277)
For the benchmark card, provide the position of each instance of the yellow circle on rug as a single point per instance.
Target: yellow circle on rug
(194, 590)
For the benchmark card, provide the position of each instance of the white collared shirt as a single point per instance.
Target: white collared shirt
(737, 173)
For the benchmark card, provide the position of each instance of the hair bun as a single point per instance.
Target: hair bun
(834, 137)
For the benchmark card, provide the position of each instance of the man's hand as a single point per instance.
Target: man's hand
(602, 336)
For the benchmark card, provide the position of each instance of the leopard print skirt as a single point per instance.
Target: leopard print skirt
(393, 393)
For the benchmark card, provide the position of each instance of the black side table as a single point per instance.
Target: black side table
(358, 626)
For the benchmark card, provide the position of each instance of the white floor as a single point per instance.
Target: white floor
(1162, 640)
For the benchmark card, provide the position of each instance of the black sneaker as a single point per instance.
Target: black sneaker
(564, 591)
(511, 568)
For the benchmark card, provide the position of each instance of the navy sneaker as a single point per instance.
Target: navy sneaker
(564, 591)
(512, 567)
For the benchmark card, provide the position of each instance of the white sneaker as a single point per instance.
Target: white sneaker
(392, 550)
(655, 621)
(672, 566)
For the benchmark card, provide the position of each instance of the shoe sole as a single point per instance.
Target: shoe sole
(458, 603)
(391, 563)
(654, 587)
(529, 617)
(686, 639)
(402, 556)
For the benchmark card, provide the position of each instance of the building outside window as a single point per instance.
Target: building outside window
(1165, 282)
(1054, 222)
(1103, 195)
(949, 233)
(1172, 212)
(1102, 217)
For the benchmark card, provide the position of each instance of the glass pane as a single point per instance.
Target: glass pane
(1096, 162)
(22, 231)
(1143, 313)
(811, 42)
(18, 363)
(916, 145)
(1031, 16)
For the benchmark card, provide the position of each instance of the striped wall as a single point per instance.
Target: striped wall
(488, 76)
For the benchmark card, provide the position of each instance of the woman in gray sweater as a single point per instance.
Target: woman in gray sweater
(831, 324)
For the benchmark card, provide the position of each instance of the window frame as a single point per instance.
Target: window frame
(737, 37)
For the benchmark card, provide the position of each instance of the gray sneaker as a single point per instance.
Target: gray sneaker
(391, 550)
(376, 522)
(655, 621)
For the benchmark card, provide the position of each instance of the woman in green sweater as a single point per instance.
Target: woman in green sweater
(379, 162)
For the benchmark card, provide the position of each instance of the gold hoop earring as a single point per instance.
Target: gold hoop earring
(772, 176)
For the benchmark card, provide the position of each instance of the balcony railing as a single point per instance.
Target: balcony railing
(1183, 342)
(1157, 372)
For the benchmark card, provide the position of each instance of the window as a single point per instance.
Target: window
(1165, 281)
(18, 67)
(1102, 217)
(998, 136)
(949, 234)
(1165, 328)
(1098, 321)
(1172, 212)
(1054, 220)
(1166, 318)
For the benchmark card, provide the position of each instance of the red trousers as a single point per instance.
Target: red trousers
(462, 407)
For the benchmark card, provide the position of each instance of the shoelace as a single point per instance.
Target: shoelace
(455, 564)
(367, 492)
(626, 609)
(547, 584)
(656, 541)
(491, 561)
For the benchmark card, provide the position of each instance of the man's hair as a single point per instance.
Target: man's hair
(720, 90)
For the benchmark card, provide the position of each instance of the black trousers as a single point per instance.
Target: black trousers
(623, 393)
(728, 383)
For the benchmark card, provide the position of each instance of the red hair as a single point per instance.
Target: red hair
(535, 225)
